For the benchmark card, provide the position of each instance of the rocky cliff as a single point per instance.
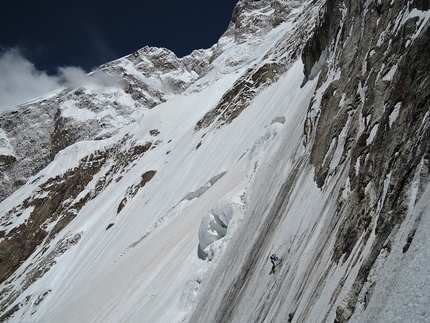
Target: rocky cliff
(373, 123)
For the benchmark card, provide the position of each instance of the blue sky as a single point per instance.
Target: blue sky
(54, 34)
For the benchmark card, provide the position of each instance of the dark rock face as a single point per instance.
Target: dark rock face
(420, 5)
(7, 160)
(326, 30)
(372, 120)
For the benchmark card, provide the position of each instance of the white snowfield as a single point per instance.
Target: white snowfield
(208, 220)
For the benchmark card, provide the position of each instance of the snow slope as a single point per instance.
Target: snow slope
(152, 277)
(141, 261)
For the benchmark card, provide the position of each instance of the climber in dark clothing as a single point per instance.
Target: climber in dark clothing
(273, 259)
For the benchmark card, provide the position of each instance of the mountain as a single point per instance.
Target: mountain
(157, 190)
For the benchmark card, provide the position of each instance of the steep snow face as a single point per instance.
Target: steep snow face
(118, 270)
(267, 55)
(344, 226)
(159, 196)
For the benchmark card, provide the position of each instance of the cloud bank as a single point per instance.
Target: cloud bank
(20, 81)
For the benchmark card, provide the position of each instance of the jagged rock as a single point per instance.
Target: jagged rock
(378, 92)
(7, 160)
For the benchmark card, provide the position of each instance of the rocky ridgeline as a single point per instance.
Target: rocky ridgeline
(32, 134)
(251, 22)
(152, 75)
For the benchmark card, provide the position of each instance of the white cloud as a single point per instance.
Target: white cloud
(73, 76)
(20, 81)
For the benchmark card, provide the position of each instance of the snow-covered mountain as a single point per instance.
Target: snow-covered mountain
(157, 190)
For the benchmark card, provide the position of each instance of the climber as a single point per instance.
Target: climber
(273, 259)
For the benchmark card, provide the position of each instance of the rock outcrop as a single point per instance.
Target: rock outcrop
(380, 91)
